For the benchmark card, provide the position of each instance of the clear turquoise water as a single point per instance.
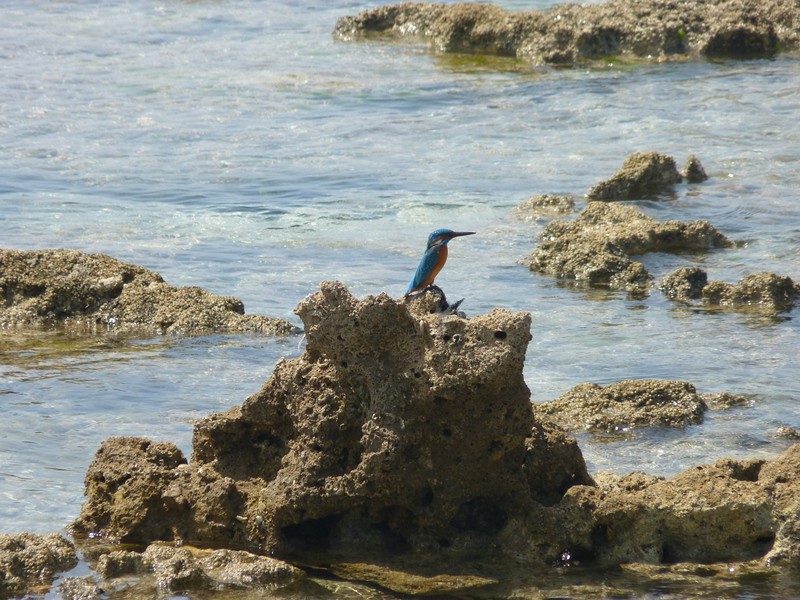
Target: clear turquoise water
(236, 146)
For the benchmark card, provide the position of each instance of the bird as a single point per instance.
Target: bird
(433, 260)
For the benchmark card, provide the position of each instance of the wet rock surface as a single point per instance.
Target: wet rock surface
(596, 247)
(726, 511)
(30, 562)
(625, 404)
(399, 429)
(643, 174)
(403, 435)
(545, 205)
(87, 293)
(573, 34)
(759, 291)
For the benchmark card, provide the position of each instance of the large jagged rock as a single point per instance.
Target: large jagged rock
(398, 429)
(643, 174)
(404, 432)
(758, 291)
(96, 293)
(571, 33)
(29, 562)
(595, 248)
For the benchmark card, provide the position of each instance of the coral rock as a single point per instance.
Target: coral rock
(96, 293)
(398, 429)
(643, 174)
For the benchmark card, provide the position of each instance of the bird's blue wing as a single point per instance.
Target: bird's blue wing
(424, 269)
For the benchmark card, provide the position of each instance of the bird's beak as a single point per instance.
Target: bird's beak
(460, 233)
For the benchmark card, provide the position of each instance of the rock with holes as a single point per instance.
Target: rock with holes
(764, 291)
(88, 293)
(643, 174)
(579, 33)
(29, 562)
(596, 248)
(735, 511)
(398, 429)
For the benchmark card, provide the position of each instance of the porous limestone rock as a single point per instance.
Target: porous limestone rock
(545, 205)
(595, 248)
(735, 511)
(642, 174)
(758, 291)
(570, 34)
(766, 290)
(398, 429)
(684, 284)
(625, 404)
(96, 293)
(693, 170)
(29, 562)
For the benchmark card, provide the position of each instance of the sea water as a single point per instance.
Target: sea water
(236, 146)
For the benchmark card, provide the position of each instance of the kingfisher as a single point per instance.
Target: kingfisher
(433, 260)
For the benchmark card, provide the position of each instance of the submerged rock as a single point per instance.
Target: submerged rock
(625, 404)
(595, 248)
(760, 291)
(693, 170)
(545, 205)
(766, 290)
(571, 34)
(643, 174)
(398, 429)
(30, 562)
(684, 284)
(94, 292)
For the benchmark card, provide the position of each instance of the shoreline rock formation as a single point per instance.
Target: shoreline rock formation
(596, 247)
(401, 436)
(571, 34)
(94, 293)
(399, 429)
(758, 291)
(30, 561)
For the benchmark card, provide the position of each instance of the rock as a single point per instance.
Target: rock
(760, 291)
(786, 432)
(693, 170)
(764, 290)
(96, 293)
(545, 205)
(724, 401)
(625, 404)
(80, 588)
(397, 430)
(595, 248)
(124, 486)
(409, 583)
(643, 174)
(30, 562)
(577, 34)
(188, 568)
(119, 563)
(685, 284)
(707, 514)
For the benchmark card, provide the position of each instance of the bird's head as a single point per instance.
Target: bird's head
(440, 237)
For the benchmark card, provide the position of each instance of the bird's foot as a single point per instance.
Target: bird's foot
(444, 307)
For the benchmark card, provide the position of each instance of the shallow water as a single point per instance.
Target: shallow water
(237, 147)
